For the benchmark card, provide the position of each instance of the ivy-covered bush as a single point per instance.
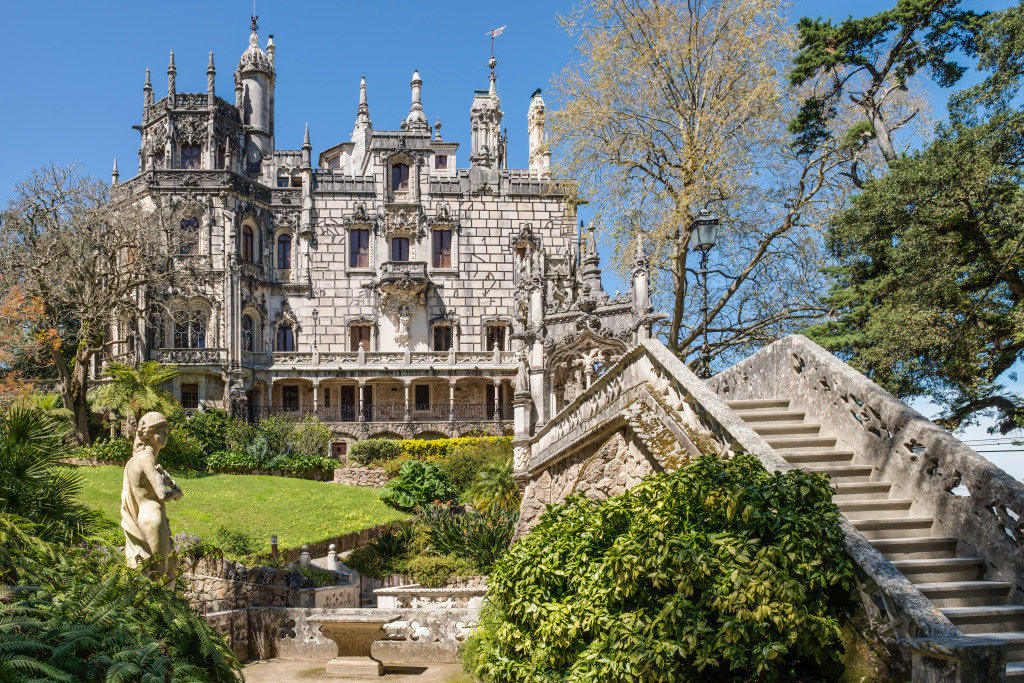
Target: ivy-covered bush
(418, 483)
(717, 572)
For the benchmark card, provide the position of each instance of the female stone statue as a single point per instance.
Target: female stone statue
(146, 489)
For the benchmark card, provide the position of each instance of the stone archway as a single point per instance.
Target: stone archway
(574, 367)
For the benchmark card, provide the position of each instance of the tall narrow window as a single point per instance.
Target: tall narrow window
(221, 156)
(247, 244)
(442, 248)
(189, 237)
(359, 336)
(442, 337)
(400, 249)
(290, 398)
(191, 157)
(284, 252)
(441, 161)
(285, 338)
(399, 177)
(359, 248)
(496, 337)
(247, 333)
(422, 396)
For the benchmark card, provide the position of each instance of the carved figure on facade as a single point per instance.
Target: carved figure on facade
(581, 359)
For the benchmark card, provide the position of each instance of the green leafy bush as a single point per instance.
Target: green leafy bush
(309, 439)
(493, 489)
(183, 451)
(235, 542)
(363, 452)
(231, 460)
(471, 456)
(300, 462)
(318, 577)
(719, 571)
(117, 450)
(211, 427)
(482, 538)
(434, 571)
(418, 483)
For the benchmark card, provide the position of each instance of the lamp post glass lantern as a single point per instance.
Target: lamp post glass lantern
(703, 234)
(316, 315)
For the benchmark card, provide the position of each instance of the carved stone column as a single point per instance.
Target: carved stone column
(362, 384)
(316, 395)
(408, 410)
(451, 400)
(497, 399)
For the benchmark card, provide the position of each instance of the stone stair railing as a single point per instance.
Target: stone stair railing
(690, 408)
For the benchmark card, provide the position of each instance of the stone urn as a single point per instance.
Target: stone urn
(354, 633)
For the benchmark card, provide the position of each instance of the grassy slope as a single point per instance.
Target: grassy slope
(297, 510)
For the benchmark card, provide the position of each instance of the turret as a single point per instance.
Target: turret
(485, 126)
(114, 174)
(540, 155)
(417, 119)
(255, 76)
(171, 73)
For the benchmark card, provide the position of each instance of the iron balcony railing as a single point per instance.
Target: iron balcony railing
(436, 412)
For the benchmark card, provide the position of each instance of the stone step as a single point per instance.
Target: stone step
(986, 619)
(754, 417)
(966, 593)
(1014, 642)
(786, 428)
(818, 457)
(745, 404)
(871, 490)
(874, 509)
(905, 527)
(941, 570)
(844, 473)
(920, 547)
(1015, 671)
(785, 443)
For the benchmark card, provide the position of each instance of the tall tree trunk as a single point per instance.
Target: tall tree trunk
(78, 396)
(679, 292)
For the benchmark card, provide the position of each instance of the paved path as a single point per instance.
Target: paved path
(287, 670)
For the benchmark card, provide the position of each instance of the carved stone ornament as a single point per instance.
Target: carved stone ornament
(402, 221)
(358, 217)
(190, 130)
(444, 218)
(287, 315)
(156, 139)
(574, 366)
(400, 300)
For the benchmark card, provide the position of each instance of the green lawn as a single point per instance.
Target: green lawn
(297, 510)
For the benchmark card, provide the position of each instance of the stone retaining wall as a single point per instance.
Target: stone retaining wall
(361, 476)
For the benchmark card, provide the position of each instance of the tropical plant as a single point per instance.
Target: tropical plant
(418, 483)
(50, 404)
(494, 490)
(134, 391)
(81, 616)
(481, 538)
(34, 484)
(467, 459)
(719, 571)
(383, 555)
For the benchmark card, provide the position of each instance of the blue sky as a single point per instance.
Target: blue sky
(72, 75)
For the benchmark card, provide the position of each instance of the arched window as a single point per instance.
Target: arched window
(399, 177)
(247, 244)
(189, 245)
(285, 338)
(191, 156)
(284, 252)
(190, 330)
(247, 334)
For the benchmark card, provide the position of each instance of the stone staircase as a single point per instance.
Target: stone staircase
(952, 580)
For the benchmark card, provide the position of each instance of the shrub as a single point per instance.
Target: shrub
(212, 428)
(719, 571)
(418, 483)
(318, 577)
(482, 538)
(309, 439)
(434, 571)
(299, 462)
(231, 460)
(236, 543)
(118, 450)
(470, 456)
(494, 490)
(382, 555)
(380, 450)
(183, 450)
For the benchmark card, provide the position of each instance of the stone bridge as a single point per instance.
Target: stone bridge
(933, 528)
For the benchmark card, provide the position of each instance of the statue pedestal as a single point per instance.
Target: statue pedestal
(354, 634)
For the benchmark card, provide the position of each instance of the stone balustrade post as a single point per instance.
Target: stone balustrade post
(451, 400)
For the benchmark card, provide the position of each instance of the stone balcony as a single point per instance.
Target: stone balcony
(405, 274)
(383, 360)
(190, 356)
(412, 413)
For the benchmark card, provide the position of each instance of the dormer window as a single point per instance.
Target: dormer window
(334, 163)
(400, 249)
(441, 162)
(399, 177)
(191, 157)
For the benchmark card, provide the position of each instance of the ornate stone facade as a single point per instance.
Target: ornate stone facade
(378, 285)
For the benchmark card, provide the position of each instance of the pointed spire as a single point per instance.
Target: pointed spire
(171, 72)
(305, 140)
(417, 119)
(307, 150)
(114, 174)
(211, 74)
(271, 49)
(437, 129)
(640, 260)
(363, 112)
(147, 93)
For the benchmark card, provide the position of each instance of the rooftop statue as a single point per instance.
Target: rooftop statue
(146, 489)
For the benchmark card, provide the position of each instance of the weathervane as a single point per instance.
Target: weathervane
(254, 25)
(494, 33)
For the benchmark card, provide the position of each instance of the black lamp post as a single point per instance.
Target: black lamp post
(315, 316)
(703, 232)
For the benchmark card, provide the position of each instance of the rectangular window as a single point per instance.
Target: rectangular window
(400, 249)
(327, 397)
(399, 177)
(442, 337)
(422, 397)
(441, 161)
(359, 335)
(282, 182)
(297, 181)
(495, 337)
(190, 396)
(334, 163)
(290, 398)
(442, 248)
(359, 248)
(221, 156)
